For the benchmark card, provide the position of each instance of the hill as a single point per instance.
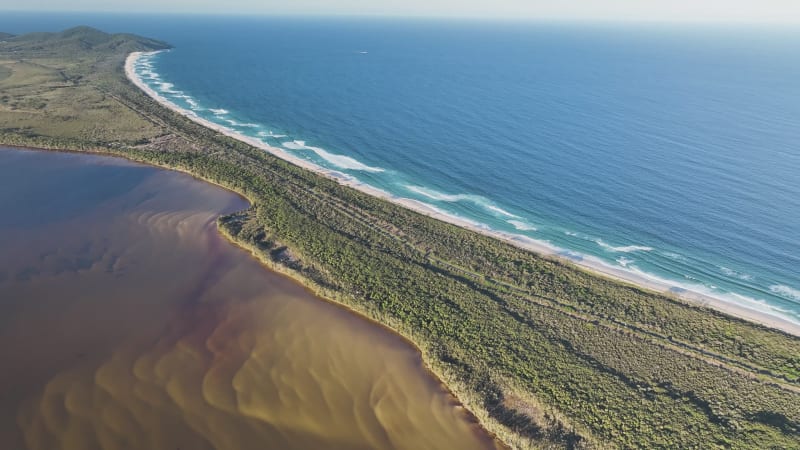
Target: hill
(77, 40)
(545, 354)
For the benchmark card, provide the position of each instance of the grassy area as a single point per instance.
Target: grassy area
(43, 93)
(545, 354)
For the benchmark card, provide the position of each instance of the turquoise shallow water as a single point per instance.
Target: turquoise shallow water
(672, 152)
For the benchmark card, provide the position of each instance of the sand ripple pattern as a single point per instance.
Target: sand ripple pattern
(144, 329)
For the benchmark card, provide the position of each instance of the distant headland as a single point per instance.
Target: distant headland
(541, 351)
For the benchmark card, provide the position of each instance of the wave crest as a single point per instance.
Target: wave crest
(341, 161)
(483, 202)
(522, 226)
(785, 291)
(735, 274)
(623, 249)
(270, 134)
(624, 262)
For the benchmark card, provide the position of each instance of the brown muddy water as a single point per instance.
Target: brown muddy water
(128, 322)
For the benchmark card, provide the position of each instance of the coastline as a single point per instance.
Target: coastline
(586, 263)
(542, 352)
(455, 402)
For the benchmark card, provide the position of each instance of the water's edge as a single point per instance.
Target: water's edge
(449, 383)
(459, 393)
(589, 264)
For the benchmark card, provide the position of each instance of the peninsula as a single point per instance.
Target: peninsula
(544, 353)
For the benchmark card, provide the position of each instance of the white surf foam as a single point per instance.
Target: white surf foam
(435, 195)
(341, 161)
(522, 226)
(295, 145)
(499, 210)
(344, 162)
(440, 196)
(764, 306)
(608, 247)
(675, 256)
(451, 198)
(166, 87)
(760, 306)
(623, 249)
(236, 123)
(785, 291)
(270, 134)
(219, 111)
(543, 247)
(623, 261)
(735, 274)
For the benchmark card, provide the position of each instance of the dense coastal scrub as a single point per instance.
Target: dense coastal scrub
(544, 353)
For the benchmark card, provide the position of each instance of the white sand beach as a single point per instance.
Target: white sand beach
(594, 265)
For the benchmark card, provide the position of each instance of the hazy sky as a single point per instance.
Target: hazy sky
(661, 10)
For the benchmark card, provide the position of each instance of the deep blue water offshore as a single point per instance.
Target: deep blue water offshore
(671, 151)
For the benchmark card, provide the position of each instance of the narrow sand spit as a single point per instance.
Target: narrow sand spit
(591, 264)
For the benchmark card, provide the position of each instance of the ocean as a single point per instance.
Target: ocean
(671, 152)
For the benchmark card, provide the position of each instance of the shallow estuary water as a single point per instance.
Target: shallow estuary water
(128, 323)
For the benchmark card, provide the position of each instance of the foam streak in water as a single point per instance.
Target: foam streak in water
(522, 226)
(735, 274)
(786, 292)
(483, 202)
(341, 161)
(623, 261)
(616, 254)
(270, 134)
(623, 249)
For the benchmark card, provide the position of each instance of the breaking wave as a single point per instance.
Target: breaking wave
(270, 134)
(340, 161)
(735, 274)
(522, 226)
(482, 202)
(485, 213)
(786, 292)
(622, 249)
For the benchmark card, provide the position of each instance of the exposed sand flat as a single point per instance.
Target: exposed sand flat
(594, 265)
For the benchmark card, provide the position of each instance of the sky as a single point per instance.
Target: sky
(637, 10)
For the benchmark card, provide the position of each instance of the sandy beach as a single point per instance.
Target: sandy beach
(589, 263)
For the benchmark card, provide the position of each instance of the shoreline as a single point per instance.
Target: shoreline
(316, 291)
(476, 427)
(590, 264)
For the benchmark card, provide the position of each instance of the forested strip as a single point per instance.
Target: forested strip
(543, 352)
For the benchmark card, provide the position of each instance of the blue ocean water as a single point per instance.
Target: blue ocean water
(670, 151)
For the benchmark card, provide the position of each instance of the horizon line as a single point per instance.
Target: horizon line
(488, 19)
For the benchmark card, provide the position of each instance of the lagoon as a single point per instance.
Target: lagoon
(129, 322)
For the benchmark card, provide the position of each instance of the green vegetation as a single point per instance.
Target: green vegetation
(52, 84)
(545, 354)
